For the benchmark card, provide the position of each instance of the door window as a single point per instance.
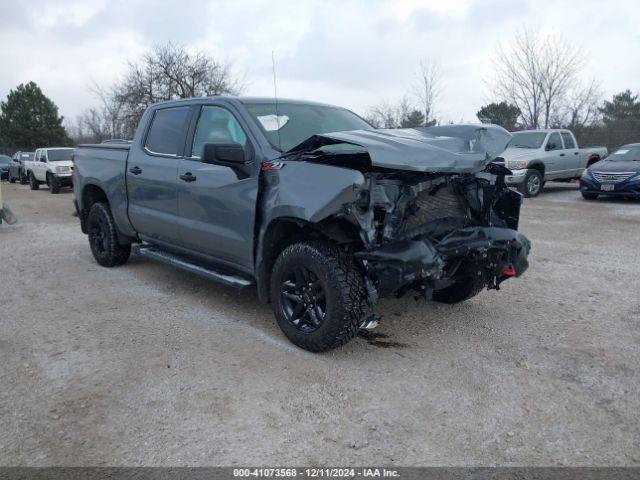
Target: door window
(167, 131)
(216, 125)
(568, 140)
(555, 142)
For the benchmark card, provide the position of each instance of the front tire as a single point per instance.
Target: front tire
(589, 196)
(318, 295)
(23, 179)
(33, 183)
(54, 184)
(532, 184)
(103, 237)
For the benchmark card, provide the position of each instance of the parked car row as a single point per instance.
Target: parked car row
(50, 166)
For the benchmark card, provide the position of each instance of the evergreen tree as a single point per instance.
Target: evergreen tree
(502, 114)
(30, 120)
(415, 118)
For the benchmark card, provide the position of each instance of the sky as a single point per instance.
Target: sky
(353, 53)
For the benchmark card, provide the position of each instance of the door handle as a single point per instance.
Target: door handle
(562, 154)
(188, 177)
(575, 153)
(135, 170)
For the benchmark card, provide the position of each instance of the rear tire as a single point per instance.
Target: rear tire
(318, 295)
(33, 183)
(589, 196)
(11, 179)
(533, 183)
(103, 237)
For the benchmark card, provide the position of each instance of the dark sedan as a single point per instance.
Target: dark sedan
(5, 161)
(617, 175)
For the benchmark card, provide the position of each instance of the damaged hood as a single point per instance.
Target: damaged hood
(449, 148)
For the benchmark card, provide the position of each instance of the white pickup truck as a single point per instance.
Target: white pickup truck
(535, 156)
(52, 166)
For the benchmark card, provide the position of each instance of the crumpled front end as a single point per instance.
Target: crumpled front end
(429, 235)
(425, 227)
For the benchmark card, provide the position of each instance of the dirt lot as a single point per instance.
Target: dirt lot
(147, 365)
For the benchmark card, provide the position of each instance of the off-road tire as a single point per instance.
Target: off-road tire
(343, 287)
(54, 184)
(589, 196)
(103, 238)
(33, 183)
(531, 177)
(467, 287)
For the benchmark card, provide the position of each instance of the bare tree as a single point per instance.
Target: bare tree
(383, 115)
(427, 89)
(535, 73)
(167, 72)
(582, 105)
(387, 115)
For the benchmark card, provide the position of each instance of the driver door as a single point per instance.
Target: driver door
(216, 205)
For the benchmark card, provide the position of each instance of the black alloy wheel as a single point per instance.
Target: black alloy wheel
(303, 299)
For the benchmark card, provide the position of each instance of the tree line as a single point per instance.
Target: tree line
(536, 82)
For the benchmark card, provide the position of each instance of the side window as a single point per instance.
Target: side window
(43, 156)
(554, 143)
(568, 140)
(216, 125)
(167, 131)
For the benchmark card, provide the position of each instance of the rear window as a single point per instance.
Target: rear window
(166, 134)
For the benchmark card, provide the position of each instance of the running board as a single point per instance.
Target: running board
(178, 261)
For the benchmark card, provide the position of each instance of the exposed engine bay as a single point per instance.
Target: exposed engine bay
(439, 221)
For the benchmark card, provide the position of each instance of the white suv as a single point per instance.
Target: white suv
(53, 166)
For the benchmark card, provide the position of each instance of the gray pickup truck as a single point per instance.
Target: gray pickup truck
(322, 213)
(536, 156)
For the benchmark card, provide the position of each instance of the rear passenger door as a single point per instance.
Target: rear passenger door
(216, 204)
(152, 175)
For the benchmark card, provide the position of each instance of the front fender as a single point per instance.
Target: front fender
(309, 191)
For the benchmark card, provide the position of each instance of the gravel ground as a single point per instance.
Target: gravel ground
(148, 365)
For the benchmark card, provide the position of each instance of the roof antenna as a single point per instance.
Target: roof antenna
(275, 94)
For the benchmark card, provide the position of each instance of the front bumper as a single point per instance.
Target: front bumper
(627, 188)
(64, 179)
(517, 177)
(423, 265)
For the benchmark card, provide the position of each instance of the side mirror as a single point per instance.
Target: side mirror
(550, 146)
(230, 154)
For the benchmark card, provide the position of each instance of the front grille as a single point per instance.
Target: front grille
(612, 177)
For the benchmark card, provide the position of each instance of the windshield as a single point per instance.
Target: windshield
(294, 122)
(628, 153)
(527, 139)
(59, 155)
